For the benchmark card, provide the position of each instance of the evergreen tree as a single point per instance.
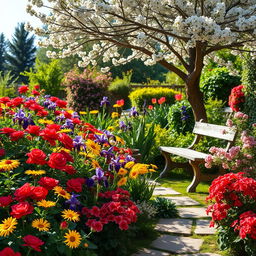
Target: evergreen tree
(21, 54)
(3, 45)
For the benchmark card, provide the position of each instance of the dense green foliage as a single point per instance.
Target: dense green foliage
(217, 83)
(49, 76)
(3, 46)
(142, 96)
(21, 53)
(7, 85)
(165, 208)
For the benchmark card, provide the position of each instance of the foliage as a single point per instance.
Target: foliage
(143, 96)
(3, 46)
(21, 53)
(7, 84)
(48, 75)
(249, 81)
(215, 111)
(180, 117)
(86, 89)
(165, 208)
(217, 83)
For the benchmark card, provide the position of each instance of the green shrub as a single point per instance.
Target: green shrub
(7, 85)
(165, 208)
(48, 75)
(215, 111)
(180, 117)
(144, 95)
(217, 83)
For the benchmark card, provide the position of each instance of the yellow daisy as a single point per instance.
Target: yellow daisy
(133, 174)
(93, 147)
(129, 165)
(8, 165)
(35, 172)
(140, 168)
(95, 163)
(46, 204)
(70, 215)
(64, 131)
(94, 112)
(8, 226)
(122, 171)
(114, 115)
(70, 111)
(82, 113)
(73, 239)
(61, 192)
(45, 121)
(41, 224)
(122, 182)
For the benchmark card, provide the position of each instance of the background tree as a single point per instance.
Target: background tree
(3, 46)
(157, 31)
(21, 53)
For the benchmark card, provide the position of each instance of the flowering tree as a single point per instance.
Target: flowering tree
(157, 31)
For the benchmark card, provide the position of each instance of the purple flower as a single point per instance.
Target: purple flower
(101, 139)
(75, 115)
(133, 112)
(89, 182)
(52, 106)
(107, 153)
(78, 143)
(68, 124)
(123, 126)
(104, 102)
(73, 202)
(22, 119)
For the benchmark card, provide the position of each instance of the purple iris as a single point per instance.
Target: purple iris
(107, 153)
(123, 126)
(133, 112)
(68, 124)
(129, 158)
(89, 182)
(73, 202)
(22, 119)
(184, 114)
(78, 143)
(52, 106)
(108, 134)
(46, 103)
(75, 115)
(60, 117)
(101, 139)
(104, 102)
(115, 164)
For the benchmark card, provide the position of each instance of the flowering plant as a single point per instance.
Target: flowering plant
(236, 98)
(55, 171)
(233, 212)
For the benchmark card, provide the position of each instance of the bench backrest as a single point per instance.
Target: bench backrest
(215, 131)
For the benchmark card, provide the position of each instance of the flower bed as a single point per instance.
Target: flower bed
(60, 178)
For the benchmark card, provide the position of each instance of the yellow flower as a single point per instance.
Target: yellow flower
(93, 147)
(46, 204)
(129, 165)
(70, 111)
(122, 182)
(111, 128)
(8, 226)
(151, 170)
(95, 163)
(154, 166)
(61, 192)
(120, 140)
(94, 112)
(70, 215)
(122, 171)
(116, 106)
(82, 113)
(140, 168)
(73, 239)
(58, 149)
(114, 115)
(64, 131)
(8, 165)
(45, 121)
(41, 224)
(35, 172)
(133, 174)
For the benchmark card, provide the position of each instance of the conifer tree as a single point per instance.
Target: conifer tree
(3, 45)
(21, 52)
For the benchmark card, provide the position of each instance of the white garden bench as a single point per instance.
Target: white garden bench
(194, 157)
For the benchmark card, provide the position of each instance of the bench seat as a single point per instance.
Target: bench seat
(185, 152)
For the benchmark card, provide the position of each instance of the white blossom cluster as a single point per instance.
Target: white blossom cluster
(155, 30)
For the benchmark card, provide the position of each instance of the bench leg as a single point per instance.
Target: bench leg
(196, 178)
(168, 164)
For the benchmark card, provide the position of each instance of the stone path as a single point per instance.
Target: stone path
(176, 233)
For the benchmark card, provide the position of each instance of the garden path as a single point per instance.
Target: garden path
(176, 234)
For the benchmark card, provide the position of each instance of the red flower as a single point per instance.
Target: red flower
(50, 135)
(67, 115)
(123, 225)
(8, 251)
(153, 101)
(95, 211)
(4, 100)
(161, 100)
(7, 130)
(67, 155)
(42, 113)
(53, 99)
(178, 97)
(66, 140)
(21, 209)
(61, 103)
(33, 129)
(236, 98)
(37, 87)
(63, 225)
(97, 226)
(57, 161)
(23, 89)
(16, 102)
(39, 193)
(36, 156)
(56, 127)
(5, 201)
(2, 152)
(23, 192)
(150, 107)
(16, 135)
(33, 242)
(35, 92)
(75, 185)
(69, 169)
(120, 103)
(48, 182)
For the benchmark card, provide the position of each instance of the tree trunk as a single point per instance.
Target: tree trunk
(196, 100)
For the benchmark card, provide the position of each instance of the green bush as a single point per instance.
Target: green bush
(180, 117)
(215, 111)
(217, 83)
(165, 208)
(7, 85)
(144, 95)
(48, 75)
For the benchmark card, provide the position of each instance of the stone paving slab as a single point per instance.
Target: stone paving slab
(146, 252)
(177, 244)
(182, 200)
(202, 228)
(201, 254)
(192, 212)
(162, 191)
(179, 226)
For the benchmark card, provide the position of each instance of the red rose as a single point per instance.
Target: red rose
(4, 100)
(16, 101)
(33, 129)
(37, 87)
(50, 135)
(23, 89)
(97, 226)
(57, 161)
(42, 113)
(75, 185)
(21, 209)
(23, 192)
(35, 92)
(33, 242)
(5, 201)
(36, 156)
(56, 127)
(61, 103)
(66, 141)
(67, 155)
(69, 169)
(67, 115)
(76, 121)
(39, 193)
(16, 135)
(8, 251)
(7, 130)
(2, 152)
(36, 107)
(53, 99)
(48, 182)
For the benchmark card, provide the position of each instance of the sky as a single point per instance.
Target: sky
(13, 12)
